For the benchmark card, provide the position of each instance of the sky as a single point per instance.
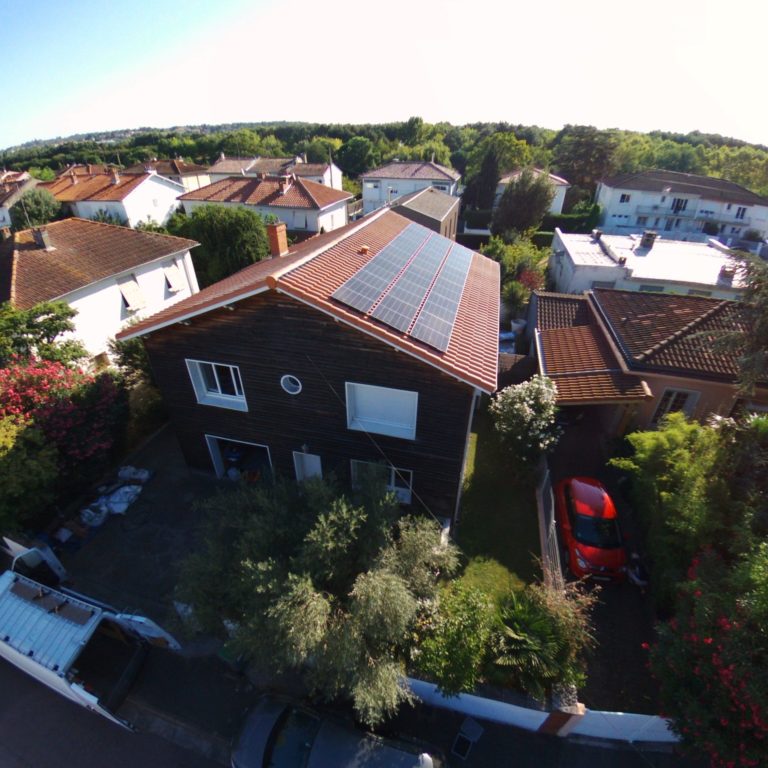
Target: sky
(77, 66)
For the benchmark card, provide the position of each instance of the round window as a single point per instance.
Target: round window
(290, 384)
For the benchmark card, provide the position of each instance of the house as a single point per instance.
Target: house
(433, 209)
(87, 169)
(129, 198)
(189, 175)
(560, 185)
(111, 275)
(369, 345)
(682, 204)
(303, 206)
(632, 358)
(328, 173)
(13, 184)
(383, 185)
(645, 263)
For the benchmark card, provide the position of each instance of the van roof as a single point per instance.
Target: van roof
(47, 626)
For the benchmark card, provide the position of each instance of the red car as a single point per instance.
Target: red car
(589, 527)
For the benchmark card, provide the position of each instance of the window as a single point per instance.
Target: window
(663, 198)
(603, 284)
(624, 198)
(307, 465)
(290, 384)
(674, 400)
(133, 298)
(679, 204)
(642, 221)
(728, 207)
(371, 184)
(217, 384)
(299, 220)
(399, 481)
(382, 410)
(735, 230)
(656, 222)
(174, 279)
(651, 289)
(740, 211)
(441, 187)
(695, 292)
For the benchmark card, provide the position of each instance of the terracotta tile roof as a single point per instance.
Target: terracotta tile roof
(82, 252)
(246, 190)
(68, 189)
(86, 169)
(231, 165)
(560, 310)
(429, 202)
(175, 167)
(672, 333)
(313, 270)
(252, 166)
(581, 363)
(674, 182)
(412, 170)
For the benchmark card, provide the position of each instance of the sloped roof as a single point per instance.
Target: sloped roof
(174, 167)
(674, 182)
(429, 202)
(412, 170)
(560, 310)
(247, 190)
(312, 271)
(558, 181)
(251, 166)
(82, 252)
(13, 187)
(69, 189)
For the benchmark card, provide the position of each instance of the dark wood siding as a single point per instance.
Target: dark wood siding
(270, 335)
(446, 227)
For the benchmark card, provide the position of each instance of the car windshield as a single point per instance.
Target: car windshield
(291, 741)
(596, 532)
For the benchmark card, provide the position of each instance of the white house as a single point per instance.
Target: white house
(189, 175)
(111, 275)
(302, 205)
(683, 205)
(383, 185)
(560, 184)
(130, 198)
(13, 184)
(328, 173)
(645, 263)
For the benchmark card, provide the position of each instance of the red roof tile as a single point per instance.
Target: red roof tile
(312, 271)
(71, 189)
(174, 167)
(247, 190)
(82, 252)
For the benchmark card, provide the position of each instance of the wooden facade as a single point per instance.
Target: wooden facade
(270, 335)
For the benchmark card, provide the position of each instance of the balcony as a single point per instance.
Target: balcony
(663, 210)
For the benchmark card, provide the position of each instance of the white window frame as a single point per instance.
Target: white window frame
(405, 428)
(214, 451)
(219, 399)
(403, 492)
(303, 472)
(691, 399)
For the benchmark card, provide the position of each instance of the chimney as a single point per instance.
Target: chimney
(5, 233)
(648, 239)
(285, 183)
(115, 175)
(73, 177)
(42, 238)
(597, 234)
(278, 240)
(727, 273)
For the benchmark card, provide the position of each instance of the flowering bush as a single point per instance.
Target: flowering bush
(524, 417)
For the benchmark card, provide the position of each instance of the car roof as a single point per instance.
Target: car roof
(590, 498)
(255, 733)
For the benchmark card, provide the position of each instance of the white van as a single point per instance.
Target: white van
(83, 650)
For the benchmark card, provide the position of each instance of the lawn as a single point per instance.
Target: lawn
(498, 508)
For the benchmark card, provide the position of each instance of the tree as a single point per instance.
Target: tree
(523, 205)
(524, 416)
(36, 331)
(322, 583)
(753, 338)
(34, 208)
(523, 268)
(481, 189)
(230, 239)
(357, 156)
(511, 153)
(584, 155)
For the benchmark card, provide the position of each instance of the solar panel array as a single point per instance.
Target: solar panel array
(414, 285)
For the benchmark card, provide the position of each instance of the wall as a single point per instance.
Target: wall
(155, 199)
(192, 182)
(270, 335)
(87, 209)
(376, 198)
(447, 227)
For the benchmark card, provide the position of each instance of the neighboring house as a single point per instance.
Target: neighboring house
(111, 275)
(682, 204)
(645, 263)
(561, 187)
(367, 345)
(13, 184)
(328, 174)
(433, 209)
(189, 175)
(303, 206)
(635, 357)
(383, 185)
(129, 198)
(86, 169)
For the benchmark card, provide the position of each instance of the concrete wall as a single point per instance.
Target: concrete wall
(155, 199)
(379, 192)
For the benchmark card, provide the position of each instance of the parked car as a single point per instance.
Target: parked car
(282, 734)
(589, 527)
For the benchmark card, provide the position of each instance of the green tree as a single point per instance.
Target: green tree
(523, 267)
(524, 416)
(752, 340)
(36, 332)
(481, 188)
(230, 239)
(584, 155)
(357, 156)
(523, 205)
(34, 208)
(511, 153)
(42, 174)
(319, 148)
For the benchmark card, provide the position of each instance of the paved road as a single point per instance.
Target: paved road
(40, 729)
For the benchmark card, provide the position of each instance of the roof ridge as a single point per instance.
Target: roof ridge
(687, 328)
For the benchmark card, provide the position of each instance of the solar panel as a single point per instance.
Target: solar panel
(434, 324)
(364, 288)
(398, 308)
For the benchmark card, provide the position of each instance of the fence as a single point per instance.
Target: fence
(550, 549)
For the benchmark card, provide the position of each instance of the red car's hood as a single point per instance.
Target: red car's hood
(612, 559)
